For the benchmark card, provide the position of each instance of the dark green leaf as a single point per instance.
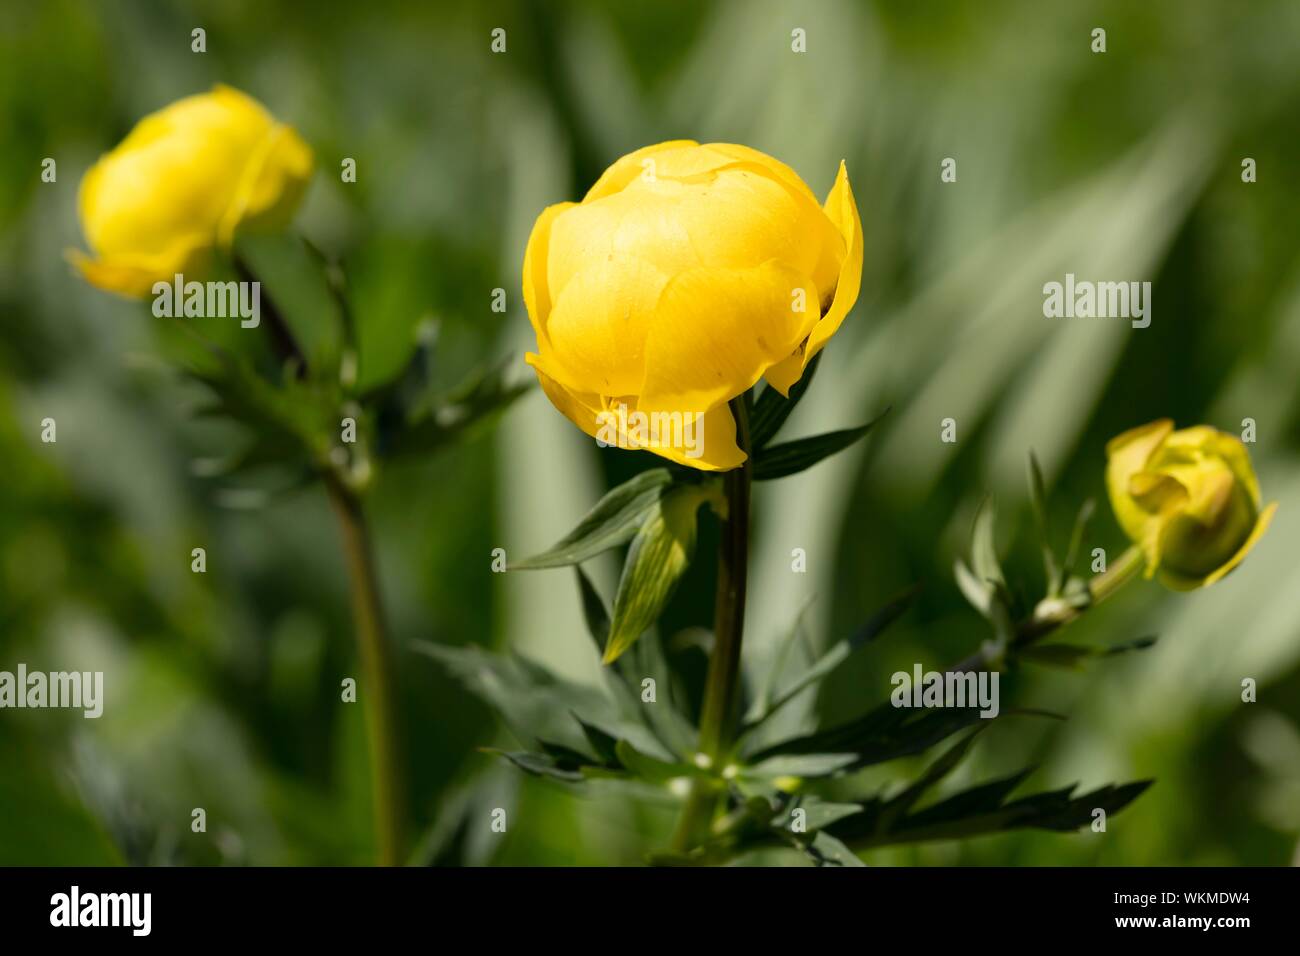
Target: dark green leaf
(593, 610)
(885, 733)
(792, 457)
(772, 408)
(1073, 656)
(837, 655)
(651, 768)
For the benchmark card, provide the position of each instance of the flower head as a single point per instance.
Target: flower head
(685, 275)
(181, 183)
(1189, 499)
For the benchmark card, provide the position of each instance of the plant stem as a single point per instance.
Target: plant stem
(1117, 575)
(379, 685)
(719, 711)
(1042, 623)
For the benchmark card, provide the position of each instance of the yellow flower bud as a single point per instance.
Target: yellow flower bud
(1189, 499)
(181, 183)
(685, 275)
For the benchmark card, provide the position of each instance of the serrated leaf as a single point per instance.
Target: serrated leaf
(882, 734)
(659, 555)
(981, 810)
(615, 520)
(535, 702)
(940, 768)
(789, 458)
(772, 408)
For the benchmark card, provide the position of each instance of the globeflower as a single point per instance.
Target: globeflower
(1189, 499)
(685, 275)
(181, 184)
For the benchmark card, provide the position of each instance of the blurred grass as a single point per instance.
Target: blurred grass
(223, 689)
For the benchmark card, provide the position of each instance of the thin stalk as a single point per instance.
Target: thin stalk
(378, 685)
(1046, 620)
(720, 710)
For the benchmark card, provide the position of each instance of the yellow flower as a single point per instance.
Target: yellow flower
(181, 183)
(686, 273)
(1189, 499)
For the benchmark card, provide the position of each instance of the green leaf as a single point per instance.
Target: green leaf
(1038, 500)
(604, 745)
(615, 520)
(884, 733)
(837, 655)
(792, 457)
(975, 591)
(593, 610)
(772, 408)
(1076, 535)
(416, 427)
(534, 702)
(826, 850)
(944, 765)
(659, 555)
(1074, 656)
(801, 765)
(651, 768)
(981, 810)
(538, 765)
(984, 555)
(819, 813)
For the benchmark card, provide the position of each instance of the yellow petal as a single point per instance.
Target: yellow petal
(626, 169)
(537, 295)
(185, 178)
(1126, 455)
(599, 325)
(717, 331)
(728, 219)
(1233, 451)
(842, 210)
(1180, 582)
(714, 448)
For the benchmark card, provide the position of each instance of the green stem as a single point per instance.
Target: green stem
(720, 709)
(1052, 615)
(1117, 575)
(378, 685)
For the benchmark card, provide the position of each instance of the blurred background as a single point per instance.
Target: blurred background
(223, 688)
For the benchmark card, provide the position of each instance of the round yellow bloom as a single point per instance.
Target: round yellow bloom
(686, 273)
(1189, 499)
(181, 183)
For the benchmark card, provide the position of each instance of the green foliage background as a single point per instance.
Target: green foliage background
(223, 688)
